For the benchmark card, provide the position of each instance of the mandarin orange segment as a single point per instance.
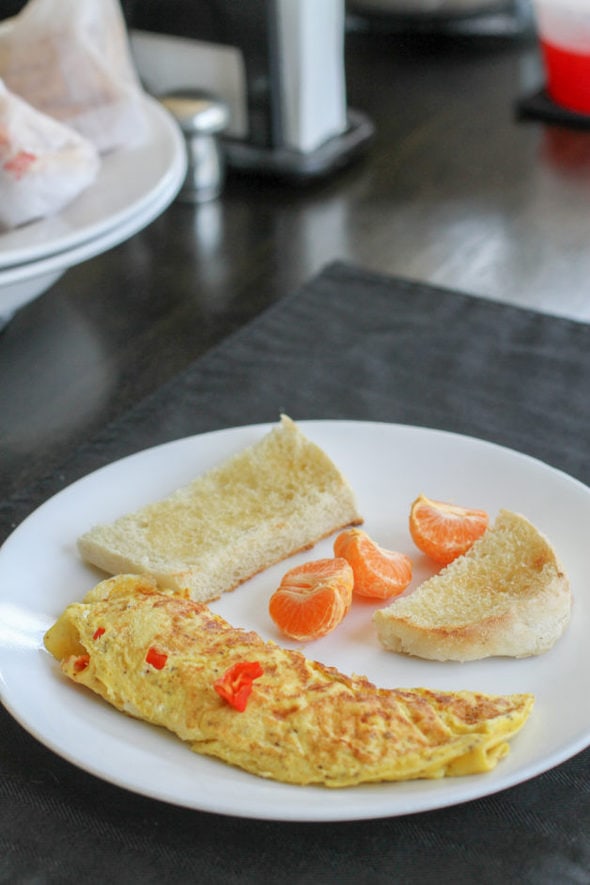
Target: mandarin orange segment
(312, 599)
(378, 573)
(445, 531)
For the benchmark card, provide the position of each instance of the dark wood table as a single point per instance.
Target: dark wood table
(455, 190)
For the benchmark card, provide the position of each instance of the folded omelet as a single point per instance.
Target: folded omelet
(269, 710)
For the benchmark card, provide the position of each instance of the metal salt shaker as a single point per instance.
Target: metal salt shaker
(202, 117)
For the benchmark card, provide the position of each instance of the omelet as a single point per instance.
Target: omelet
(268, 710)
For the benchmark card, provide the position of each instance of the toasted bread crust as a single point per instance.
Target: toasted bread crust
(275, 498)
(508, 596)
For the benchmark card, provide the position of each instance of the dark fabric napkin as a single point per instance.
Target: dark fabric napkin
(349, 344)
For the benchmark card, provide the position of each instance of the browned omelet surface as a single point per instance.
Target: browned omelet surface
(304, 722)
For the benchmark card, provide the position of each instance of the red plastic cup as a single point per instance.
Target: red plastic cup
(564, 34)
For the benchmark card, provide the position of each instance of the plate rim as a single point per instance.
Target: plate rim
(487, 784)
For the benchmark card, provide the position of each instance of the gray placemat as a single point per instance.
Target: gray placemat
(356, 345)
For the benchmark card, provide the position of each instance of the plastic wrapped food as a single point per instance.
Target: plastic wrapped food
(43, 164)
(70, 59)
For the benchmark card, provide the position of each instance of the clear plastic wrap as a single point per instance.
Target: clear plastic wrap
(43, 164)
(70, 59)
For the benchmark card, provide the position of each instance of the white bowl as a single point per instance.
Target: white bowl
(15, 295)
(25, 282)
(132, 190)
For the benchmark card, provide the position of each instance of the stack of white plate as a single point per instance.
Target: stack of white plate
(133, 187)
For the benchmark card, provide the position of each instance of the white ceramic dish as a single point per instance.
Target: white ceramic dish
(21, 283)
(15, 295)
(388, 465)
(128, 180)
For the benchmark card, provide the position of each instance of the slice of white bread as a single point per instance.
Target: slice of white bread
(278, 496)
(508, 595)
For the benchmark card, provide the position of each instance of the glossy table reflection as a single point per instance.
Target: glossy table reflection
(455, 190)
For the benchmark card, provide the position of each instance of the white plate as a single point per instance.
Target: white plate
(388, 465)
(24, 282)
(128, 180)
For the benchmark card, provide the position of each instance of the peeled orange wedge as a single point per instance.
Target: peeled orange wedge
(378, 573)
(445, 531)
(313, 598)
